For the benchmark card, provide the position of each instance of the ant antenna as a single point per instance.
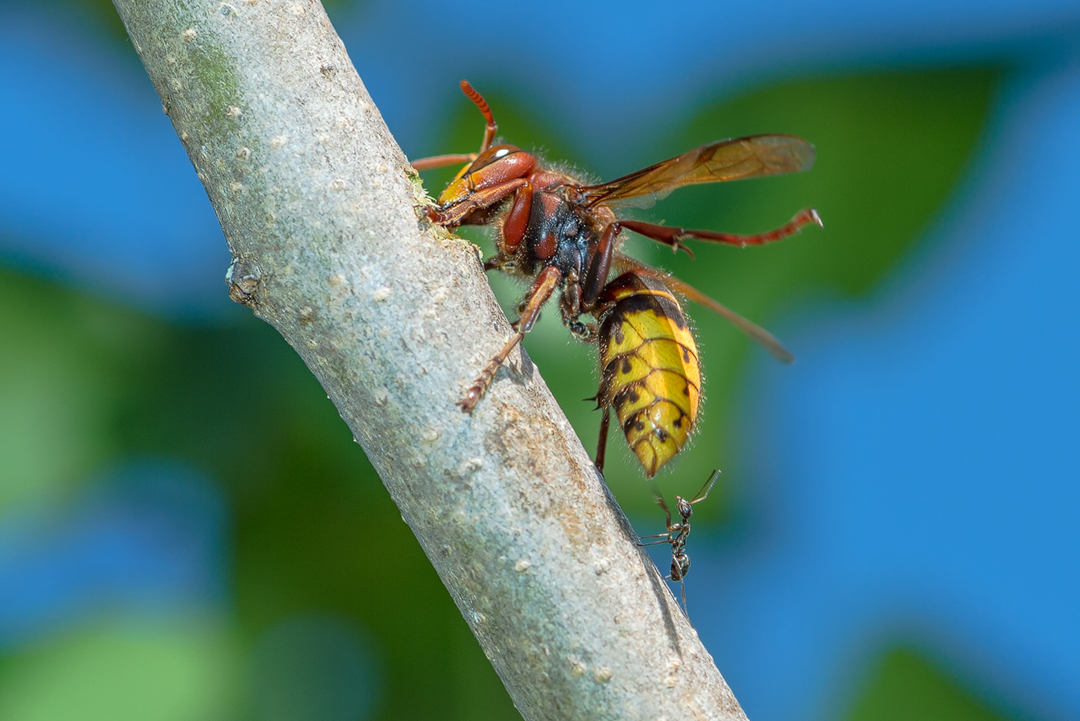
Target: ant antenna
(492, 128)
(707, 488)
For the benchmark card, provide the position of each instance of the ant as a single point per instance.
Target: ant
(677, 533)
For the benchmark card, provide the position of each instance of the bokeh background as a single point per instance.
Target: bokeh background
(188, 532)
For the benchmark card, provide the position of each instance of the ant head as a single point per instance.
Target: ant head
(685, 509)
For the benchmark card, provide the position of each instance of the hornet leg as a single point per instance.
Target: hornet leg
(538, 294)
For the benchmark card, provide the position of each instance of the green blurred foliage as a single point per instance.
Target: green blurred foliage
(905, 686)
(63, 370)
(313, 528)
(146, 670)
(892, 148)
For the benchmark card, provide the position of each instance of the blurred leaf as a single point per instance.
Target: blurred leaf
(891, 150)
(313, 667)
(64, 363)
(905, 686)
(119, 672)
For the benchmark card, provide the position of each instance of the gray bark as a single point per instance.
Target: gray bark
(319, 207)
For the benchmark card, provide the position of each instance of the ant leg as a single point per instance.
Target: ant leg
(659, 498)
(675, 236)
(665, 537)
(441, 161)
(491, 128)
(539, 294)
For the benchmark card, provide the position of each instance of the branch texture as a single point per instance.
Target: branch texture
(319, 207)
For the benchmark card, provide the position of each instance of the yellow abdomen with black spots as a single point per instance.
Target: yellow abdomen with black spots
(651, 376)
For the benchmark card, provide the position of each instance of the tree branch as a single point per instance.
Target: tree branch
(319, 207)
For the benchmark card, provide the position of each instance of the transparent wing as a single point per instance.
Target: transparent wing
(751, 157)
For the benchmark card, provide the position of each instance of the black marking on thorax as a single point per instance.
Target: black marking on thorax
(558, 234)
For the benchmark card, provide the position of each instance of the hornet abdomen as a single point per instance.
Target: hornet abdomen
(650, 373)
